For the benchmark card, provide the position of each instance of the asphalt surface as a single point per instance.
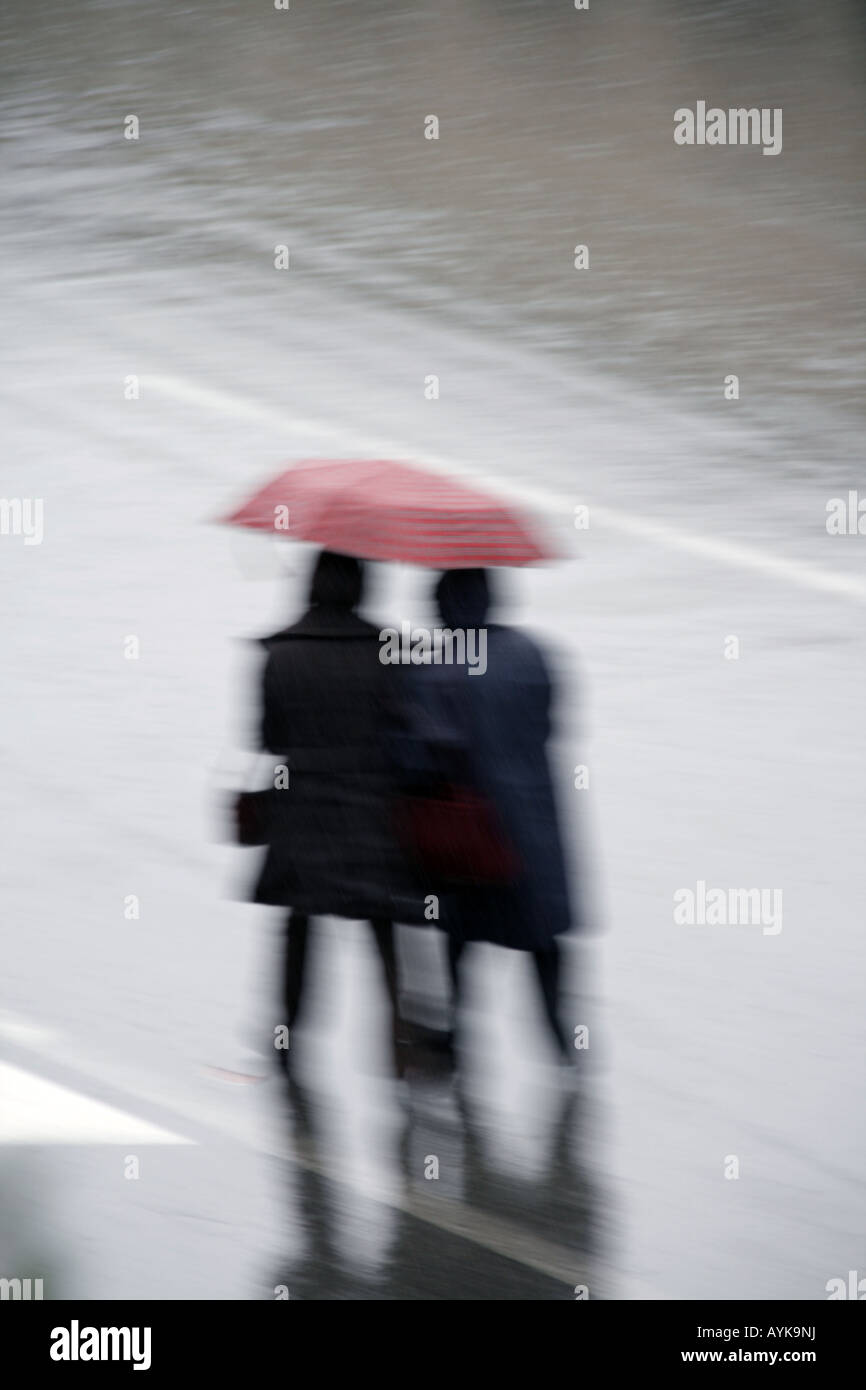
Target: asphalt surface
(707, 522)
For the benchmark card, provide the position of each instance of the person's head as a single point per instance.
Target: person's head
(338, 580)
(463, 597)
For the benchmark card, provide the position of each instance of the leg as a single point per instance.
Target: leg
(455, 950)
(383, 931)
(297, 933)
(547, 971)
(456, 947)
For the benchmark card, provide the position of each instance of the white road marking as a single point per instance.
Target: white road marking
(36, 1111)
(490, 1231)
(732, 553)
(735, 554)
(26, 1034)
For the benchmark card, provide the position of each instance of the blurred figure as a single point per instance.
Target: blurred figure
(331, 851)
(501, 720)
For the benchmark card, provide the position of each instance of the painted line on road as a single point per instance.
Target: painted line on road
(36, 1111)
(735, 554)
(731, 553)
(497, 1234)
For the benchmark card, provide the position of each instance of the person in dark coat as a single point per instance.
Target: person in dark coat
(331, 850)
(501, 720)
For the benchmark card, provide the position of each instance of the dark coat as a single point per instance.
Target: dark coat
(326, 701)
(501, 718)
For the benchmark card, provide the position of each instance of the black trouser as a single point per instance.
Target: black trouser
(547, 973)
(297, 932)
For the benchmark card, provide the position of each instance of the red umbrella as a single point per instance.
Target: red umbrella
(381, 510)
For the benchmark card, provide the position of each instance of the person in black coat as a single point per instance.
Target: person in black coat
(332, 849)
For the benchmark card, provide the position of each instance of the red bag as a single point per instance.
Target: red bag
(455, 837)
(252, 817)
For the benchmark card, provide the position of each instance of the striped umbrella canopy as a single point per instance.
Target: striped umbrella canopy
(379, 509)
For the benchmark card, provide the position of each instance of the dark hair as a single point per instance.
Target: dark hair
(464, 597)
(338, 580)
